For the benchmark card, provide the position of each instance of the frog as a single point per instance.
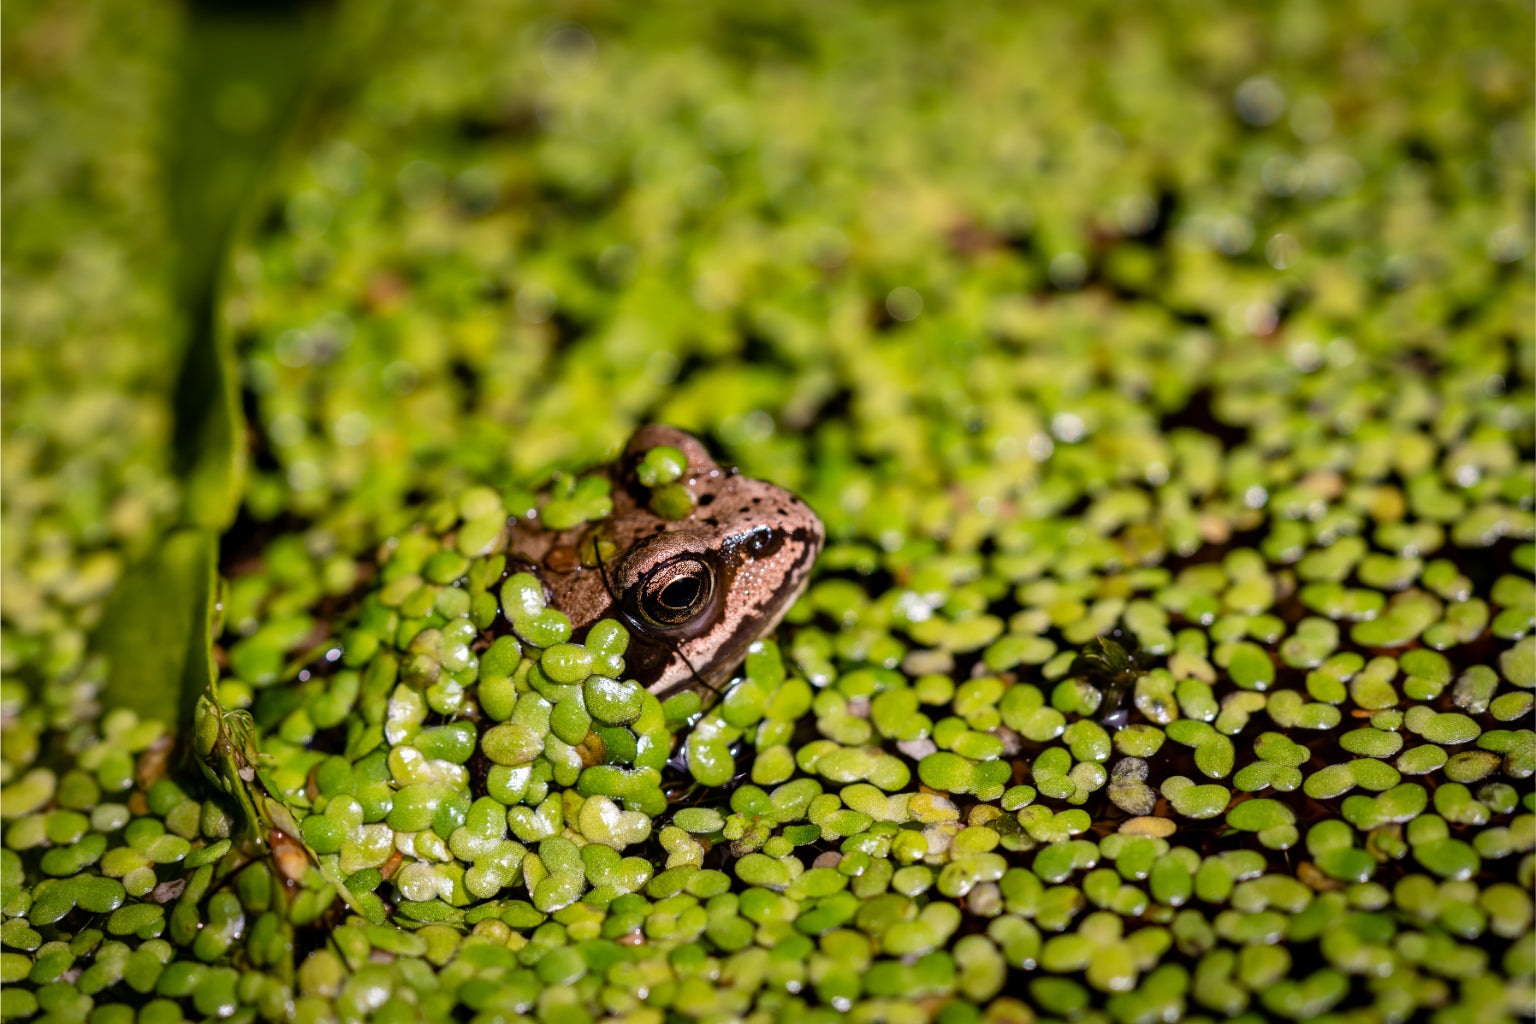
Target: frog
(694, 584)
(694, 592)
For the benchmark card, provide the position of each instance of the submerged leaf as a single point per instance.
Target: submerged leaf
(157, 629)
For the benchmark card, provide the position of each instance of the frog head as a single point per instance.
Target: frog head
(695, 589)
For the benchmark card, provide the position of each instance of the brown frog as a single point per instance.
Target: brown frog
(694, 592)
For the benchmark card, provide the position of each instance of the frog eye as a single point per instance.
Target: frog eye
(675, 592)
(762, 542)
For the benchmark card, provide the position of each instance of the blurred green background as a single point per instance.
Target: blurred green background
(374, 250)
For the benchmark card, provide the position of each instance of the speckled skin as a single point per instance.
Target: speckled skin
(756, 542)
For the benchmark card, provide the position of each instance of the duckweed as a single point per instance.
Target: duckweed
(1171, 654)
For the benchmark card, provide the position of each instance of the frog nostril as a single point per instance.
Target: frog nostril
(763, 541)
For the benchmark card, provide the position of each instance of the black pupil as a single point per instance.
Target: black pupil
(680, 593)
